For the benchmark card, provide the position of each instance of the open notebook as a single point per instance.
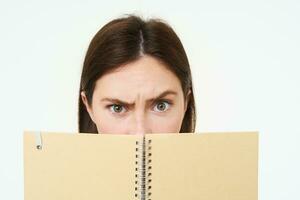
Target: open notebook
(191, 166)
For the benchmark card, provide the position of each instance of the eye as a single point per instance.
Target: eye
(115, 108)
(162, 106)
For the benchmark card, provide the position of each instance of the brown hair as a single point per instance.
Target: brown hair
(124, 40)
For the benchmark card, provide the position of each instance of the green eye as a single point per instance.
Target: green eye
(116, 108)
(162, 106)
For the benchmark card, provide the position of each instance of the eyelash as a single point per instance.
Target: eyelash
(161, 101)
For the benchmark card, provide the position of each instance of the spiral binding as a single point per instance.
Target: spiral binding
(149, 169)
(143, 169)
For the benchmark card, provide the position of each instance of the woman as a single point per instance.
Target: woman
(136, 79)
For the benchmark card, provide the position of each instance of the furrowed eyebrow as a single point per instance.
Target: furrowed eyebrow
(118, 101)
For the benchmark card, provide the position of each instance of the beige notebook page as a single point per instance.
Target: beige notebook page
(206, 166)
(79, 166)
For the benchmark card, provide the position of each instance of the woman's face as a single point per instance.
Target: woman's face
(140, 97)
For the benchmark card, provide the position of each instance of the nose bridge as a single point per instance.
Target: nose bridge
(140, 123)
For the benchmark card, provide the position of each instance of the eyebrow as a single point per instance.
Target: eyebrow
(118, 101)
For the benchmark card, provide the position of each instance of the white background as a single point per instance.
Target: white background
(244, 57)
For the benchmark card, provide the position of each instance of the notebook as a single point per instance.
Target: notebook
(191, 166)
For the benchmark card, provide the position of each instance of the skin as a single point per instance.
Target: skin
(133, 87)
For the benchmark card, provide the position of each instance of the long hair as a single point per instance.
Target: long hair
(124, 40)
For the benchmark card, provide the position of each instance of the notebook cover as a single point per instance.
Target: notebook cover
(206, 166)
(79, 167)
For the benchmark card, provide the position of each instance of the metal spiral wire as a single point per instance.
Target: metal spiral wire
(143, 170)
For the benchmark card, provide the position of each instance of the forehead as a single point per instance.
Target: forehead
(145, 76)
